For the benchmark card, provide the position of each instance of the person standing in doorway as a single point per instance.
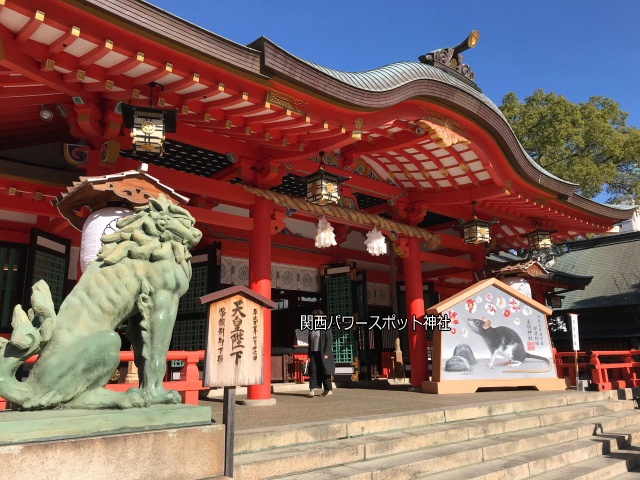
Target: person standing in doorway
(321, 362)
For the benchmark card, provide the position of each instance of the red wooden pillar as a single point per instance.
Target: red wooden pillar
(260, 282)
(415, 306)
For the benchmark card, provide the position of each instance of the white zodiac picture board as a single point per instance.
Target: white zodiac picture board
(496, 337)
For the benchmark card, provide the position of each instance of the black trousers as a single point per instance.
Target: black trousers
(317, 374)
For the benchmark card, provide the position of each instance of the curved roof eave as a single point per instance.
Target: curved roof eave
(376, 88)
(394, 83)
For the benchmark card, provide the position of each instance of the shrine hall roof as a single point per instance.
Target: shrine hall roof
(377, 88)
(244, 100)
(614, 263)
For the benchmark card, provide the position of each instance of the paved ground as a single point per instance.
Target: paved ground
(295, 407)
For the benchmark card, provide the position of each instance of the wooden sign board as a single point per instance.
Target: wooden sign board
(234, 352)
(497, 337)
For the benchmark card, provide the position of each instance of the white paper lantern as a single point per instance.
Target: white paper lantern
(324, 235)
(97, 224)
(376, 243)
(519, 284)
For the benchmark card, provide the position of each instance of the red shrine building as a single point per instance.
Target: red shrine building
(94, 88)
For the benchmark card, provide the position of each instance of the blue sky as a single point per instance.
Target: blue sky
(574, 48)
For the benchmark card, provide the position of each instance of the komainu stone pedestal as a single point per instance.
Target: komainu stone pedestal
(82, 444)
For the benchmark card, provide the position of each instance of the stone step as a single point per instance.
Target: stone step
(532, 463)
(598, 468)
(276, 437)
(357, 456)
(635, 475)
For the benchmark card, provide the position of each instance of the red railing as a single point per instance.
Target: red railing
(619, 373)
(188, 386)
(566, 365)
(607, 369)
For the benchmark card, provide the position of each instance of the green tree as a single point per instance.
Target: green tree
(588, 143)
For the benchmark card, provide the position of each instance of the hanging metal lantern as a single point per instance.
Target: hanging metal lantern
(148, 127)
(322, 186)
(477, 231)
(554, 301)
(540, 239)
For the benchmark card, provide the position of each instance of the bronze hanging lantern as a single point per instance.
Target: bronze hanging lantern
(540, 239)
(148, 126)
(554, 301)
(477, 231)
(322, 186)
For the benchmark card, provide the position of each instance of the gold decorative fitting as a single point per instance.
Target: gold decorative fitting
(161, 102)
(301, 147)
(140, 57)
(285, 101)
(115, 376)
(285, 142)
(343, 130)
(38, 195)
(39, 16)
(464, 167)
(75, 31)
(444, 171)
(356, 368)
(12, 191)
(207, 117)
(196, 78)
(356, 135)
(267, 136)
(307, 119)
(443, 121)
(108, 84)
(425, 174)
(135, 93)
(247, 130)
(49, 64)
(221, 87)
(168, 67)
(325, 125)
(185, 109)
(443, 135)
(358, 122)
(108, 44)
(80, 74)
(228, 124)
(245, 96)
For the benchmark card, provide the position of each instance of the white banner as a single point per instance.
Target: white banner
(575, 335)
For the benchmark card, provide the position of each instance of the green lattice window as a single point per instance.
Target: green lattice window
(189, 334)
(189, 331)
(340, 302)
(52, 269)
(11, 279)
(190, 301)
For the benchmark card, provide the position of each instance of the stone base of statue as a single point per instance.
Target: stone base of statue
(160, 442)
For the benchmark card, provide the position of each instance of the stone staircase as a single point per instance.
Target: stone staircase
(565, 436)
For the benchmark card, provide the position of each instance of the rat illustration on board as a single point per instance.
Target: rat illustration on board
(507, 343)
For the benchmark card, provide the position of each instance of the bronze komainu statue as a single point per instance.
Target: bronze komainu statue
(139, 276)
